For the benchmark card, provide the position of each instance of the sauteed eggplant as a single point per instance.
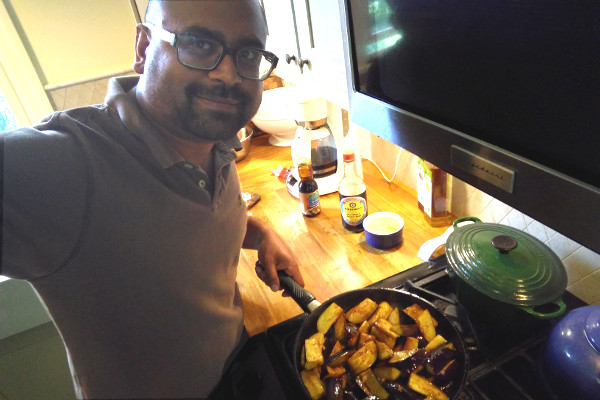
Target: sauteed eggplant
(378, 351)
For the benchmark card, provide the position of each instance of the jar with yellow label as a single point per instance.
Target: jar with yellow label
(353, 195)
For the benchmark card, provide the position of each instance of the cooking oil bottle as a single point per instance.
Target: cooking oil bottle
(353, 195)
(434, 188)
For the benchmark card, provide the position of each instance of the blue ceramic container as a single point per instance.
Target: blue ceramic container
(570, 360)
(383, 230)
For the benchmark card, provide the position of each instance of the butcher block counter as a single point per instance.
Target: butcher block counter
(332, 260)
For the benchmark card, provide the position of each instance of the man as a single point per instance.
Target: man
(127, 217)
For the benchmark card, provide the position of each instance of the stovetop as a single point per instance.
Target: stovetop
(501, 366)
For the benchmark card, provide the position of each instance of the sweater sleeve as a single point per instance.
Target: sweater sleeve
(44, 200)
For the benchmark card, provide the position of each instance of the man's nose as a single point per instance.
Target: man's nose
(226, 71)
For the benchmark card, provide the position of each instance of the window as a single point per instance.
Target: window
(7, 117)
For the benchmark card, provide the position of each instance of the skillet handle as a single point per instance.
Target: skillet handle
(301, 296)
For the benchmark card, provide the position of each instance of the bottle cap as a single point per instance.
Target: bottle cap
(348, 155)
(305, 170)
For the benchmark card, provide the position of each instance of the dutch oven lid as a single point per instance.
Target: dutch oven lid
(505, 263)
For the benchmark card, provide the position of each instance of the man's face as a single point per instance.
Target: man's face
(195, 104)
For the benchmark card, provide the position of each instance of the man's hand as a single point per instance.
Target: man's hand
(273, 254)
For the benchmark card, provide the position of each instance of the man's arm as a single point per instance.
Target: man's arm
(273, 253)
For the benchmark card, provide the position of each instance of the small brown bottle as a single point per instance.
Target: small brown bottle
(308, 189)
(353, 195)
(433, 189)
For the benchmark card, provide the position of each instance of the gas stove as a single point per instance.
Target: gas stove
(501, 366)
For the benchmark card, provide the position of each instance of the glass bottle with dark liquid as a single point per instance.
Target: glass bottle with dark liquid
(353, 195)
(310, 202)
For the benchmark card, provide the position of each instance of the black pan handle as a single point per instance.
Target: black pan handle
(305, 299)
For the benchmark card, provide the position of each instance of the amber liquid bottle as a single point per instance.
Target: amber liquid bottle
(353, 195)
(310, 202)
(433, 189)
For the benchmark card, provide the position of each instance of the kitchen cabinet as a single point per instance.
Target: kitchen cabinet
(306, 35)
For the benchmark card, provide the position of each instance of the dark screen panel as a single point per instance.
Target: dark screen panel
(521, 75)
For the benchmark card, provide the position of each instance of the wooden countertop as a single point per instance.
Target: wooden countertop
(332, 259)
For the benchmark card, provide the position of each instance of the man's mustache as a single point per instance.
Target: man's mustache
(217, 92)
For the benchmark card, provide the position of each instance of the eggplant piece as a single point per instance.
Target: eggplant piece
(339, 358)
(426, 324)
(436, 342)
(439, 358)
(394, 316)
(363, 358)
(398, 391)
(449, 374)
(383, 351)
(361, 312)
(383, 311)
(422, 385)
(313, 347)
(334, 388)
(371, 385)
(406, 330)
(328, 317)
(313, 383)
(340, 331)
(410, 364)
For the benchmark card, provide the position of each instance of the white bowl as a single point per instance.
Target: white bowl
(274, 116)
(383, 230)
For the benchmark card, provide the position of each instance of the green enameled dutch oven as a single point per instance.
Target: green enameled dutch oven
(504, 274)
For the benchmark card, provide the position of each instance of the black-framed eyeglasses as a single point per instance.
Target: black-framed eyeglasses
(199, 52)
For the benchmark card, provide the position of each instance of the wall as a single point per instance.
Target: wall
(582, 265)
(71, 40)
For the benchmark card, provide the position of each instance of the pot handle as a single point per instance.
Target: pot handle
(464, 219)
(305, 299)
(562, 307)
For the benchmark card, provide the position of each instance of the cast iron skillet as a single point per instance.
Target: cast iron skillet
(396, 298)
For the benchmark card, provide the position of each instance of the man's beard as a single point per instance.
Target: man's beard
(210, 125)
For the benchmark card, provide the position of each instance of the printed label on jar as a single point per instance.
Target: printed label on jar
(353, 209)
(310, 203)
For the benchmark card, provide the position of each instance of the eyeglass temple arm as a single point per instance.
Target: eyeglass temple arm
(161, 33)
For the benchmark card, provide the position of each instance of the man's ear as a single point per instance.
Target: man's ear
(141, 44)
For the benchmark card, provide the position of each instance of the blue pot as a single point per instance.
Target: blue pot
(570, 359)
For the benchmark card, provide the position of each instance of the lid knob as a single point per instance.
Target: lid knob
(504, 243)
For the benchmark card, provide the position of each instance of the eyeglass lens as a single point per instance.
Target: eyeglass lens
(203, 53)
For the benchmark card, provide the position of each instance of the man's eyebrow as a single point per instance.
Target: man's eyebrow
(212, 34)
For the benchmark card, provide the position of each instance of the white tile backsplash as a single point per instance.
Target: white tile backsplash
(582, 264)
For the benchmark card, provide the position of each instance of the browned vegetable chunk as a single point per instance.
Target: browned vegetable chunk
(402, 355)
(394, 316)
(364, 338)
(411, 343)
(339, 328)
(328, 317)
(371, 385)
(415, 311)
(422, 385)
(436, 342)
(313, 383)
(383, 350)
(382, 312)
(383, 336)
(363, 358)
(387, 373)
(361, 312)
(313, 349)
(427, 325)
(340, 358)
